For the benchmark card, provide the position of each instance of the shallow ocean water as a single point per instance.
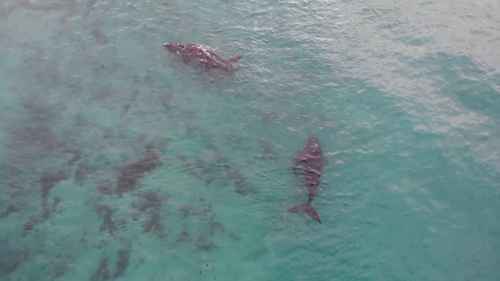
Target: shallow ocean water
(405, 99)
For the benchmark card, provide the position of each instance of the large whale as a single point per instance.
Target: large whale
(206, 57)
(308, 168)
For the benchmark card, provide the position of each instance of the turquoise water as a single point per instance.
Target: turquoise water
(405, 99)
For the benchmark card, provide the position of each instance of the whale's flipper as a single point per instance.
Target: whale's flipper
(235, 58)
(306, 208)
(232, 61)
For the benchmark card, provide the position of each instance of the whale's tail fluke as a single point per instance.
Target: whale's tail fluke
(306, 208)
(232, 61)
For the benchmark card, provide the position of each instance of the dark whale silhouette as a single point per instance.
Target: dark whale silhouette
(206, 57)
(308, 167)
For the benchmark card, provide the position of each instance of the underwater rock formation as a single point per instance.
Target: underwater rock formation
(129, 174)
(205, 244)
(153, 201)
(96, 32)
(214, 226)
(28, 226)
(11, 257)
(10, 209)
(184, 236)
(77, 155)
(153, 224)
(48, 209)
(102, 272)
(121, 263)
(267, 149)
(48, 180)
(108, 222)
(81, 173)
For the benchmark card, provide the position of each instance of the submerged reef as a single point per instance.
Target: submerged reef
(81, 173)
(98, 34)
(267, 150)
(10, 209)
(108, 222)
(48, 180)
(11, 257)
(129, 174)
(205, 244)
(122, 262)
(152, 205)
(218, 169)
(48, 209)
(153, 224)
(45, 149)
(200, 219)
(102, 272)
(152, 201)
(29, 226)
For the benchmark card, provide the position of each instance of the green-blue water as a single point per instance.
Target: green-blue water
(404, 96)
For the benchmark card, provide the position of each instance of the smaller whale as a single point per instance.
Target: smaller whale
(206, 57)
(308, 168)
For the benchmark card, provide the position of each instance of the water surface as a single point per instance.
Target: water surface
(120, 162)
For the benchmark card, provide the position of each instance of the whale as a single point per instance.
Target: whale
(308, 167)
(206, 57)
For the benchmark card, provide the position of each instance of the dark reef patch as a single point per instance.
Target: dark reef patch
(153, 224)
(96, 32)
(11, 257)
(77, 155)
(108, 223)
(48, 209)
(33, 137)
(152, 201)
(48, 180)
(81, 121)
(235, 138)
(209, 179)
(121, 263)
(207, 210)
(218, 169)
(268, 150)
(32, 145)
(167, 101)
(127, 106)
(102, 272)
(102, 94)
(28, 226)
(184, 236)
(206, 244)
(81, 173)
(60, 268)
(205, 223)
(152, 205)
(129, 174)
(90, 6)
(216, 226)
(240, 184)
(105, 188)
(10, 209)
(43, 70)
(163, 146)
(185, 210)
(48, 7)
(234, 237)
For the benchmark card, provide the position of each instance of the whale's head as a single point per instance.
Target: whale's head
(174, 47)
(313, 140)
